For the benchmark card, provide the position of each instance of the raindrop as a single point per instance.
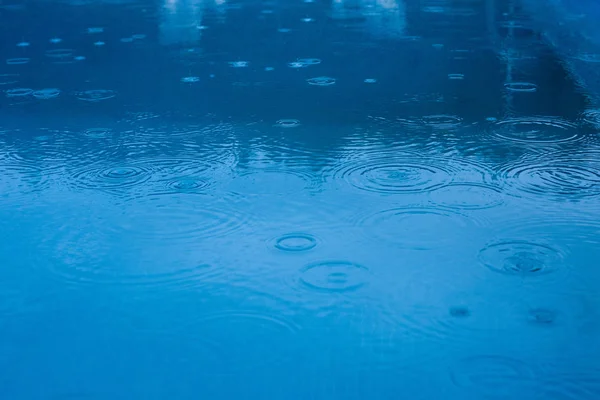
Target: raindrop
(370, 80)
(79, 58)
(23, 44)
(321, 81)
(18, 92)
(55, 40)
(295, 242)
(17, 61)
(99, 43)
(307, 19)
(45, 94)
(442, 121)
(269, 69)
(186, 184)
(522, 258)
(535, 130)
(287, 123)
(334, 276)
(525, 87)
(96, 95)
(202, 27)
(190, 79)
(296, 64)
(238, 64)
(111, 178)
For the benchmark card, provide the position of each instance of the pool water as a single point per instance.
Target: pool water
(349, 199)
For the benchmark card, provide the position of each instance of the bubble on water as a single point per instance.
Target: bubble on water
(287, 123)
(18, 61)
(96, 95)
(321, 81)
(295, 242)
(138, 36)
(296, 64)
(370, 80)
(238, 64)
(494, 377)
(190, 79)
(535, 130)
(334, 276)
(99, 43)
(23, 44)
(525, 87)
(127, 40)
(456, 77)
(55, 40)
(8, 79)
(18, 92)
(45, 94)
(95, 30)
(309, 61)
(522, 258)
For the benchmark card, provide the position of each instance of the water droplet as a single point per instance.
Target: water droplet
(307, 19)
(525, 87)
(18, 92)
(334, 276)
(45, 94)
(55, 40)
(287, 123)
(494, 376)
(238, 64)
(535, 130)
(296, 64)
(321, 81)
(17, 61)
(96, 95)
(79, 58)
(522, 257)
(23, 44)
(190, 79)
(99, 43)
(295, 242)
(187, 184)
(370, 80)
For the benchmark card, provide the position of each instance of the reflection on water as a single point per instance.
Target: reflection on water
(294, 199)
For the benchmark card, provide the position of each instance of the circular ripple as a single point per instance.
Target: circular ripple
(18, 61)
(309, 61)
(522, 258)
(321, 81)
(493, 375)
(97, 133)
(442, 121)
(270, 182)
(295, 242)
(8, 79)
(18, 92)
(525, 87)
(555, 178)
(539, 130)
(118, 177)
(60, 54)
(45, 94)
(334, 276)
(415, 228)
(96, 95)
(287, 123)
(411, 174)
(468, 196)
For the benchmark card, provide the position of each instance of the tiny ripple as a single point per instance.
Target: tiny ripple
(333, 276)
(294, 242)
(524, 87)
(525, 258)
(592, 117)
(321, 81)
(242, 341)
(110, 178)
(46, 94)
(98, 133)
(95, 95)
(536, 130)
(9, 79)
(415, 228)
(270, 182)
(18, 61)
(468, 196)
(494, 376)
(571, 179)
(442, 121)
(18, 92)
(287, 123)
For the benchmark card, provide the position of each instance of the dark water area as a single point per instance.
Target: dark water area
(380, 199)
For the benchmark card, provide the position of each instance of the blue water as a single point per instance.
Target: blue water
(367, 199)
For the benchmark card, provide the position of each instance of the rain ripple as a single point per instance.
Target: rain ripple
(536, 130)
(334, 276)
